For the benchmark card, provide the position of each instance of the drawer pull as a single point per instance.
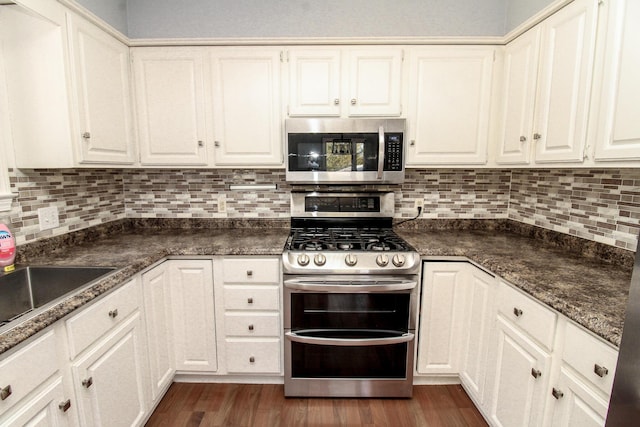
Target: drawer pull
(113, 313)
(249, 273)
(535, 373)
(517, 312)
(251, 327)
(249, 300)
(558, 394)
(86, 383)
(600, 371)
(5, 392)
(252, 359)
(64, 406)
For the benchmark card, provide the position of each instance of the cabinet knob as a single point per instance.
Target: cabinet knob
(87, 382)
(216, 143)
(200, 143)
(600, 371)
(517, 312)
(412, 143)
(113, 313)
(5, 392)
(249, 300)
(535, 373)
(249, 273)
(536, 136)
(64, 406)
(523, 139)
(336, 101)
(86, 135)
(251, 327)
(353, 101)
(558, 394)
(252, 359)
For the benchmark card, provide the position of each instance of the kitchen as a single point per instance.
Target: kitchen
(479, 182)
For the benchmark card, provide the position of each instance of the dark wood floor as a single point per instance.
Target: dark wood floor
(192, 405)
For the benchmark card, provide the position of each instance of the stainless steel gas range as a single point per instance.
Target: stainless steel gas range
(350, 298)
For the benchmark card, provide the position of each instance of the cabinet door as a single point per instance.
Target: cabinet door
(193, 315)
(104, 98)
(481, 291)
(109, 378)
(520, 378)
(170, 105)
(449, 105)
(618, 127)
(158, 315)
(518, 98)
(314, 82)
(566, 63)
(375, 81)
(576, 404)
(441, 318)
(246, 106)
(47, 408)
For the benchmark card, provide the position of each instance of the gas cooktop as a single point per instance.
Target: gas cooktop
(345, 239)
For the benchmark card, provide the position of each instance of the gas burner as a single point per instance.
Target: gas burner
(378, 246)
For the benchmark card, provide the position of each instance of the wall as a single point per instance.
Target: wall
(518, 11)
(601, 205)
(114, 12)
(309, 18)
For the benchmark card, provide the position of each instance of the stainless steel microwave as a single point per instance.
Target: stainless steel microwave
(345, 151)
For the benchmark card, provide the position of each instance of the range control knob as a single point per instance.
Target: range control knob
(398, 260)
(303, 259)
(319, 259)
(382, 260)
(350, 260)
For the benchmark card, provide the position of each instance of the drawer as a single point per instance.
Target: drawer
(247, 357)
(590, 357)
(254, 325)
(96, 320)
(251, 298)
(251, 270)
(23, 371)
(531, 316)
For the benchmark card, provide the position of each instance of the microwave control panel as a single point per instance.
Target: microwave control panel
(393, 148)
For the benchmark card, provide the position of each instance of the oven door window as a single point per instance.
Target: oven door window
(339, 361)
(367, 311)
(333, 152)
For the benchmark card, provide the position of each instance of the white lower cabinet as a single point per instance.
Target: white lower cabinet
(519, 376)
(193, 315)
(576, 404)
(48, 408)
(156, 288)
(250, 327)
(110, 375)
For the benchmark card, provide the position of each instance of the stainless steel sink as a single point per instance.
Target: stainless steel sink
(29, 288)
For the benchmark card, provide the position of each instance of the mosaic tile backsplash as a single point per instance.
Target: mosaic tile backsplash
(601, 205)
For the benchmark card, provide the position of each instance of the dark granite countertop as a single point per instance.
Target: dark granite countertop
(586, 290)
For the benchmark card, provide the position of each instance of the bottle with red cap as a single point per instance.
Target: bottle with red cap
(7, 248)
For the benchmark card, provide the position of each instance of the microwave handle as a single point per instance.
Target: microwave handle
(380, 151)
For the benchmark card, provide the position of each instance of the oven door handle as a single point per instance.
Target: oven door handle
(350, 342)
(298, 285)
(380, 151)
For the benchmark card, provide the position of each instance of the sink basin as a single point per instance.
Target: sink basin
(29, 288)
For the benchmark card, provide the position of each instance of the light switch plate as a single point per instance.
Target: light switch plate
(48, 218)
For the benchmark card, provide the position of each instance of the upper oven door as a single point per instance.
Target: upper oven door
(345, 150)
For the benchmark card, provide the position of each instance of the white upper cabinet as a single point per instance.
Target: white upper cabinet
(246, 96)
(101, 71)
(518, 93)
(449, 104)
(364, 81)
(617, 133)
(314, 82)
(170, 101)
(547, 87)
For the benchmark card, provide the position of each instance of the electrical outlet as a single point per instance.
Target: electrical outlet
(419, 203)
(222, 204)
(48, 218)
